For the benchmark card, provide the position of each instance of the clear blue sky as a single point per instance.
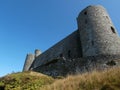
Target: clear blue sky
(29, 24)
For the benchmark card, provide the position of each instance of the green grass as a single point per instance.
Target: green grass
(25, 81)
(104, 80)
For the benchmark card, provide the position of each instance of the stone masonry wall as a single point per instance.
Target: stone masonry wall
(67, 48)
(61, 67)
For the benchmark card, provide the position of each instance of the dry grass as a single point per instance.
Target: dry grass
(105, 80)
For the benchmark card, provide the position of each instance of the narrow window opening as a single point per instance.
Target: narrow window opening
(69, 53)
(113, 30)
(85, 13)
(61, 55)
(92, 43)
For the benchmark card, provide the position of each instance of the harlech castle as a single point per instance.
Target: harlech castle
(95, 44)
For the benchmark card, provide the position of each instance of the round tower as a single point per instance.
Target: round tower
(97, 33)
(37, 52)
(28, 61)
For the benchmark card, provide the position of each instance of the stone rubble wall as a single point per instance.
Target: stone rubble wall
(66, 48)
(61, 67)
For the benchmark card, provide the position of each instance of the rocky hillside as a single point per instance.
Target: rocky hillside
(102, 80)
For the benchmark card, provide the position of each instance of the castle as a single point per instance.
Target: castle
(94, 45)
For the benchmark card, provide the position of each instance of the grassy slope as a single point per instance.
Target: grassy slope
(25, 81)
(106, 80)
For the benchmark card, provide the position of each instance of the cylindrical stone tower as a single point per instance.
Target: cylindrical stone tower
(28, 61)
(97, 33)
(37, 52)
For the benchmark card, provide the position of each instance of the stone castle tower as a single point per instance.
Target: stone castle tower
(97, 33)
(96, 39)
(29, 59)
